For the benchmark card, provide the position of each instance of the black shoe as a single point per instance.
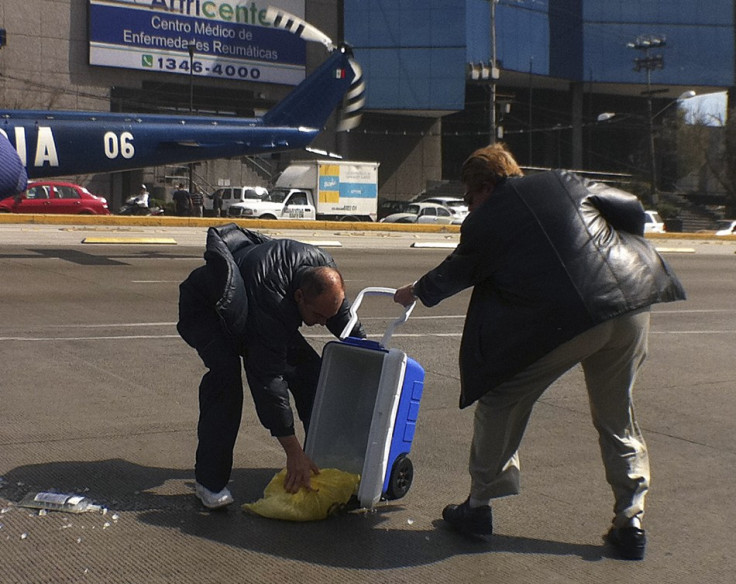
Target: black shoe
(630, 542)
(474, 521)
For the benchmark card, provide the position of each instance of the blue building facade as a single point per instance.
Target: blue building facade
(560, 64)
(414, 52)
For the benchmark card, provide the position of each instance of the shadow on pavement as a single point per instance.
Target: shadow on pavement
(164, 498)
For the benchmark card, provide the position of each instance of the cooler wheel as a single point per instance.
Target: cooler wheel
(402, 473)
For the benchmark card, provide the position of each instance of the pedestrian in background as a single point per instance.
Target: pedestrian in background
(561, 275)
(182, 201)
(217, 203)
(197, 202)
(141, 199)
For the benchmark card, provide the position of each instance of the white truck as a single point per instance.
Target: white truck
(316, 189)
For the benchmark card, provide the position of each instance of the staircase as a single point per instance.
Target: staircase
(694, 217)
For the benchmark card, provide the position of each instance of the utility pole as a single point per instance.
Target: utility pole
(531, 100)
(649, 63)
(192, 45)
(494, 74)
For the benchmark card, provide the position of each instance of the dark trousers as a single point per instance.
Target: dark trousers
(221, 394)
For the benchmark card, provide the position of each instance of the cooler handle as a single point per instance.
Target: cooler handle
(375, 290)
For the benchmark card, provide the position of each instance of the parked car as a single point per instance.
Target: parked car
(423, 213)
(232, 196)
(389, 207)
(456, 204)
(726, 227)
(653, 222)
(55, 197)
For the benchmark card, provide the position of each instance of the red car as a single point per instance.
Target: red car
(55, 197)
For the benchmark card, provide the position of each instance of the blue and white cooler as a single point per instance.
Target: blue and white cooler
(366, 410)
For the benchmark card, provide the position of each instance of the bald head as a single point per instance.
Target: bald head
(320, 294)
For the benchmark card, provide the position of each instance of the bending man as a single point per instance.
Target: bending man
(248, 303)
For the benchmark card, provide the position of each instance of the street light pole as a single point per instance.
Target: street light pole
(191, 47)
(606, 116)
(649, 63)
(652, 153)
(494, 74)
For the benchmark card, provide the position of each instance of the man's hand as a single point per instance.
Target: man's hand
(405, 295)
(299, 467)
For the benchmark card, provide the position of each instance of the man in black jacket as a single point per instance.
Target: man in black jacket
(182, 201)
(561, 275)
(248, 303)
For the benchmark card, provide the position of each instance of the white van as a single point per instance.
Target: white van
(233, 195)
(653, 222)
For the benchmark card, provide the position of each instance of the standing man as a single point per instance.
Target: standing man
(561, 275)
(247, 303)
(197, 202)
(217, 202)
(182, 201)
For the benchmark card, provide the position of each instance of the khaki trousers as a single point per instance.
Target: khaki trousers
(611, 353)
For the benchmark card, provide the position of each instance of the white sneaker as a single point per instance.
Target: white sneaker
(213, 500)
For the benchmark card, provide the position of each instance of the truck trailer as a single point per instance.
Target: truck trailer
(318, 190)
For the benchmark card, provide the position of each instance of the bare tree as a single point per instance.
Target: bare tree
(706, 150)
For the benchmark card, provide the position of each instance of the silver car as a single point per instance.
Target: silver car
(423, 213)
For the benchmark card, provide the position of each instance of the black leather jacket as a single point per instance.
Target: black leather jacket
(549, 256)
(248, 284)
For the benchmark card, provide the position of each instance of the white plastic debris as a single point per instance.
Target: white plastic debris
(58, 502)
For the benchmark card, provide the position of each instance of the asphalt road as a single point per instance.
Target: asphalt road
(99, 397)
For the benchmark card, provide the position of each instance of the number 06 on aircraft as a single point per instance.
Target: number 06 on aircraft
(60, 143)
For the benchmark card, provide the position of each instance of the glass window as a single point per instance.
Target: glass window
(298, 199)
(39, 192)
(66, 193)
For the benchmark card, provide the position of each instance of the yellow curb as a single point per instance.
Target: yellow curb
(171, 221)
(693, 236)
(347, 226)
(137, 240)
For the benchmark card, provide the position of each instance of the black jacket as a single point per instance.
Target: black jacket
(248, 284)
(549, 256)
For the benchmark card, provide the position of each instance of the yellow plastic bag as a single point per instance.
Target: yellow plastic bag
(331, 489)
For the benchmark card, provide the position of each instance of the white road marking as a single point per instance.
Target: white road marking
(395, 335)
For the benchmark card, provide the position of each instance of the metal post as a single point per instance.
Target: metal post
(531, 93)
(494, 74)
(649, 63)
(652, 152)
(191, 105)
